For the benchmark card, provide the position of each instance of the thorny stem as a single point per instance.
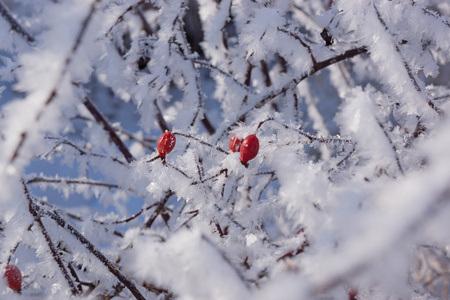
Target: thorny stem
(34, 211)
(61, 77)
(109, 129)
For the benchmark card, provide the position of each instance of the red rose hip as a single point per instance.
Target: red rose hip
(249, 148)
(235, 144)
(166, 143)
(13, 277)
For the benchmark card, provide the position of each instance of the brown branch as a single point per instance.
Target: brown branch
(208, 65)
(200, 141)
(81, 151)
(265, 72)
(120, 17)
(4, 11)
(72, 181)
(109, 129)
(295, 81)
(97, 253)
(308, 48)
(226, 259)
(394, 148)
(159, 116)
(61, 77)
(37, 217)
(159, 210)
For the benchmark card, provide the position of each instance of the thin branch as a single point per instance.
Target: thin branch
(265, 72)
(4, 11)
(211, 177)
(200, 141)
(394, 148)
(81, 151)
(109, 129)
(97, 253)
(187, 53)
(226, 259)
(72, 181)
(120, 17)
(37, 217)
(61, 77)
(405, 63)
(271, 178)
(159, 209)
(308, 48)
(295, 81)
(208, 65)
(159, 116)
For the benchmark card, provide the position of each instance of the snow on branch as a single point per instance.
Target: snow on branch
(224, 149)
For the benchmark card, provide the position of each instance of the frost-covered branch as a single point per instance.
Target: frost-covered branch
(108, 128)
(34, 211)
(4, 11)
(97, 253)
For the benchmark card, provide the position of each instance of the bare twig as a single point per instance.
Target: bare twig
(109, 129)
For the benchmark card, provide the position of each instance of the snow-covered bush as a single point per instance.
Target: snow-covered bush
(349, 191)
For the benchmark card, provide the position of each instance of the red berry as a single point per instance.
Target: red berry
(235, 144)
(13, 276)
(249, 148)
(352, 292)
(166, 143)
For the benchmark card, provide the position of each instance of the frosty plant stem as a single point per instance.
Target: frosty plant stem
(4, 11)
(61, 77)
(34, 210)
(189, 136)
(108, 128)
(264, 99)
